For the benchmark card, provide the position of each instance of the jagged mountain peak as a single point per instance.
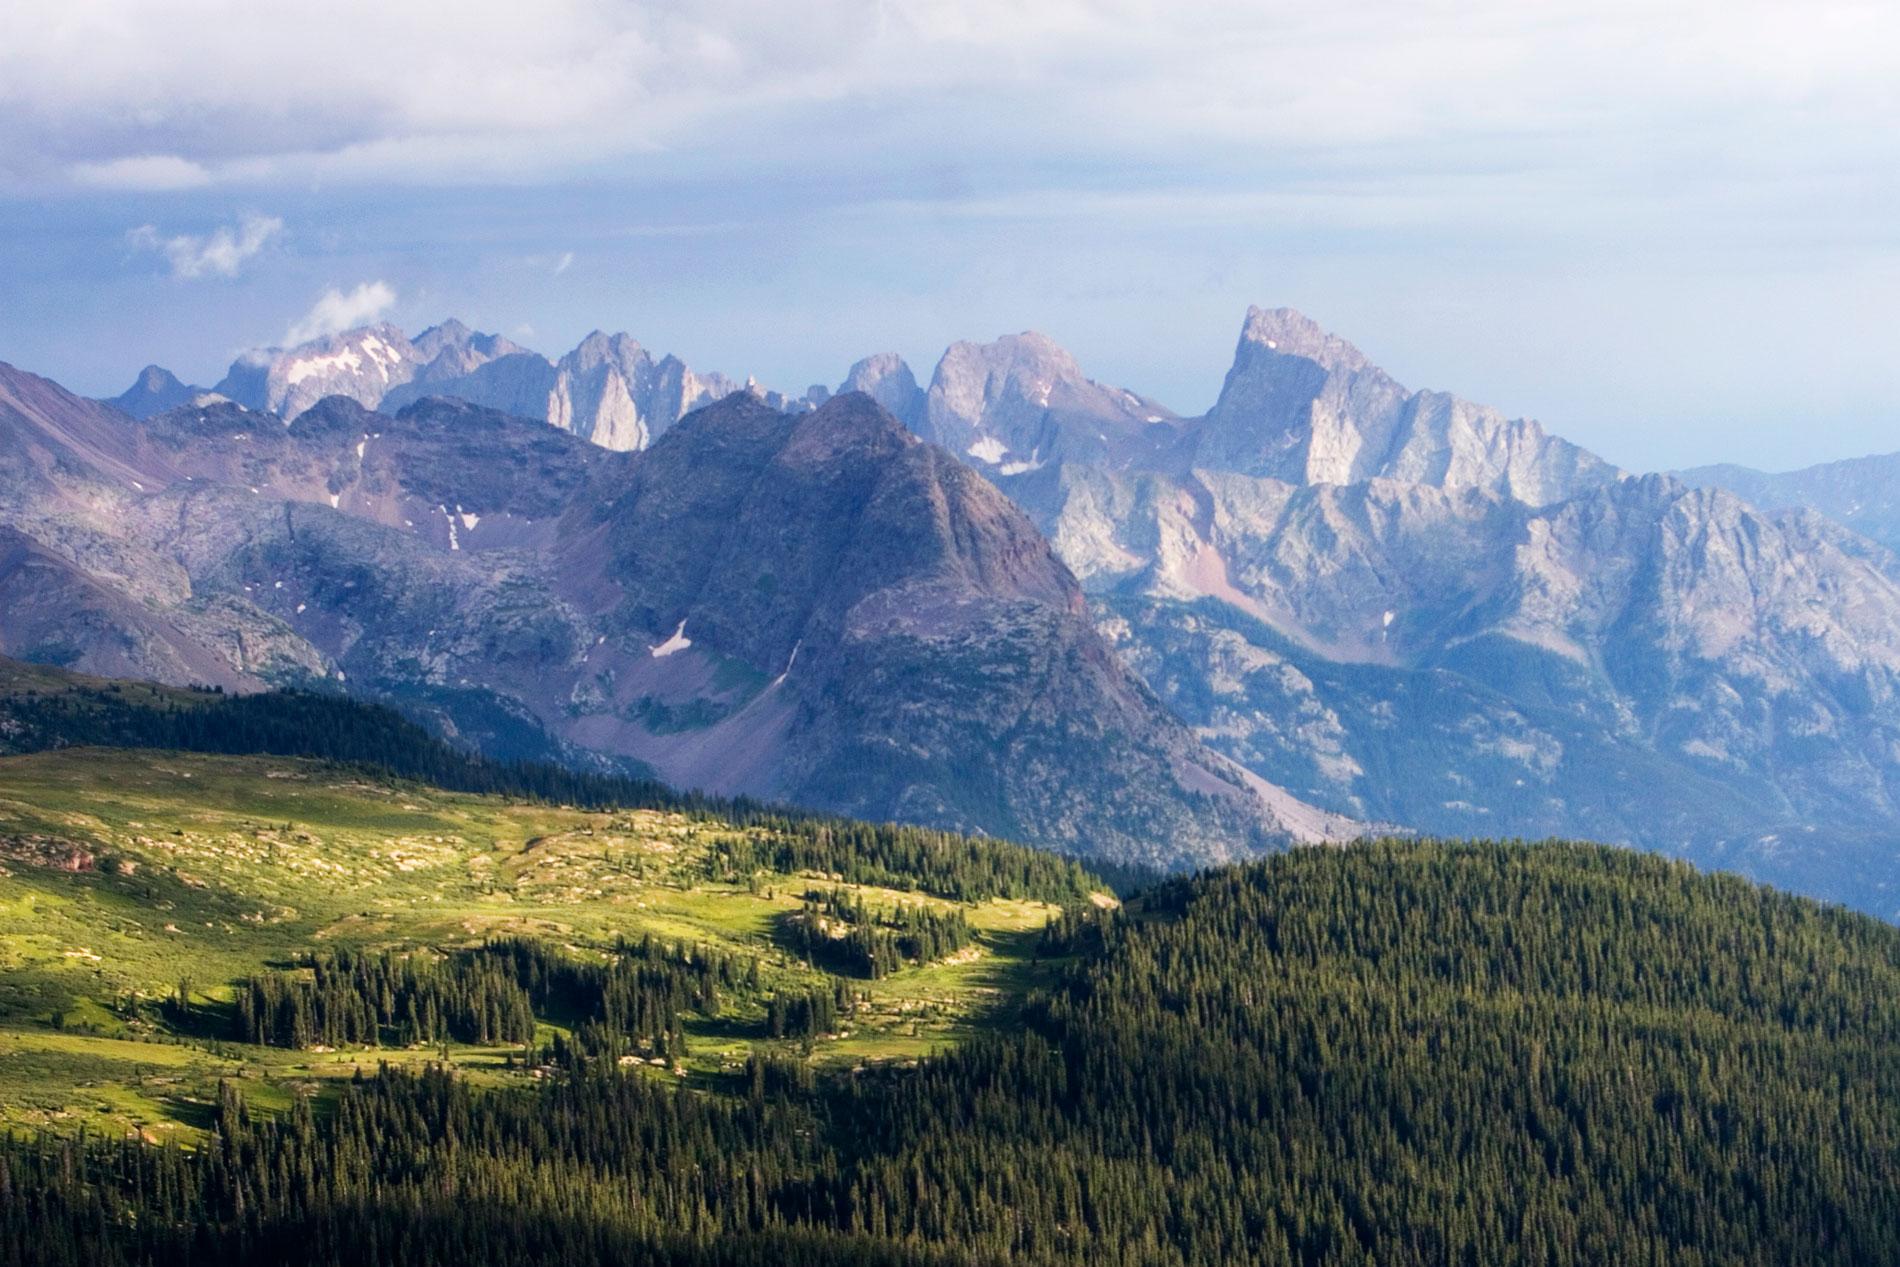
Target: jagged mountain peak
(887, 378)
(601, 348)
(1304, 406)
(448, 331)
(155, 378)
(1022, 402)
(155, 390)
(609, 389)
(968, 366)
(363, 363)
(1292, 333)
(875, 369)
(451, 347)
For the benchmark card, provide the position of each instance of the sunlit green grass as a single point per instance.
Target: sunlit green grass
(204, 870)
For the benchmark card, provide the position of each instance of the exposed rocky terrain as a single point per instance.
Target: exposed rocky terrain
(1863, 493)
(1408, 608)
(813, 606)
(1403, 606)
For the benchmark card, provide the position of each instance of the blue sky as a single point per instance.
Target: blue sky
(1671, 231)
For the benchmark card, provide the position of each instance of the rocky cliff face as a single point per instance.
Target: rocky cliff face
(1306, 407)
(363, 365)
(903, 630)
(886, 379)
(610, 390)
(1555, 660)
(1408, 608)
(817, 607)
(1021, 404)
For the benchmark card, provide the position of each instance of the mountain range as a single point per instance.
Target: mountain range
(1330, 600)
(609, 389)
(811, 606)
(1408, 608)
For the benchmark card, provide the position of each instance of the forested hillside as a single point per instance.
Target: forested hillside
(1400, 1052)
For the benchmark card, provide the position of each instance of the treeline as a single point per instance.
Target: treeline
(835, 929)
(808, 1013)
(367, 999)
(330, 727)
(1401, 1053)
(903, 857)
(630, 1002)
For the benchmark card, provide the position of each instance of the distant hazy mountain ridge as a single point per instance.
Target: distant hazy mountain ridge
(609, 389)
(1863, 493)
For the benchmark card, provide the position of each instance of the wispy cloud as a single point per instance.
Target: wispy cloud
(221, 253)
(143, 173)
(564, 263)
(342, 310)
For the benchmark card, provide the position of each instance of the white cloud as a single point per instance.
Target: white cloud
(221, 253)
(147, 173)
(170, 93)
(564, 263)
(342, 310)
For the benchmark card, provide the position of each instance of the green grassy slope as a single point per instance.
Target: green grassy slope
(128, 872)
(1396, 1053)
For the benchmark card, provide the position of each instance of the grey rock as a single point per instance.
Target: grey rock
(1020, 404)
(1305, 406)
(608, 390)
(1409, 609)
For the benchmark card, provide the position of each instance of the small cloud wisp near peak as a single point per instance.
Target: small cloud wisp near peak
(337, 310)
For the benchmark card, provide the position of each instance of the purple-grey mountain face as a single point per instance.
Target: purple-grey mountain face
(155, 390)
(1863, 493)
(1409, 609)
(886, 379)
(1021, 404)
(1306, 407)
(816, 606)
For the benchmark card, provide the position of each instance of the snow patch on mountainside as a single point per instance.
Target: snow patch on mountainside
(989, 449)
(678, 642)
(310, 366)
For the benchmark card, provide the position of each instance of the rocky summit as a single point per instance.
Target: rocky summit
(1408, 608)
